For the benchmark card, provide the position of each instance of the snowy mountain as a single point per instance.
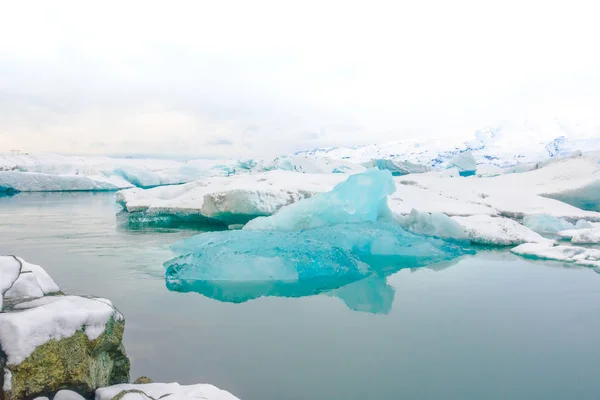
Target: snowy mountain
(506, 144)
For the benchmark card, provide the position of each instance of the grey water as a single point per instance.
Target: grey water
(489, 326)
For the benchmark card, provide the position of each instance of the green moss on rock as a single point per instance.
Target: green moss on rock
(75, 363)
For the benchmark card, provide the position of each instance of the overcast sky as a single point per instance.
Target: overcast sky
(254, 78)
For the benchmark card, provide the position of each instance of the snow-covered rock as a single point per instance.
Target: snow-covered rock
(497, 231)
(171, 391)
(50, 341)
(570, 254)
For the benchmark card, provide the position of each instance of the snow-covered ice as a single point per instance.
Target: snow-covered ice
(360, 198)
(51, 172)
(582, 236)
(497, 231)
(171, 391)
(33, 281)
(432, 224)
(230, 200)
(570, 254)
(10, 268)
(33, 323)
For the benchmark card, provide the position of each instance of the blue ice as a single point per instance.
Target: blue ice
(398, 168)
(360, 198)
(248, 264)
(465, 163)
(544, 223)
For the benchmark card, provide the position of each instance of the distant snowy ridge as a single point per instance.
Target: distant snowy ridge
(505, 145)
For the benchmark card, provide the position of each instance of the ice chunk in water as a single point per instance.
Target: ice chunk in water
(360, 198)
(544, 223)
(240, 265)
(465, 162)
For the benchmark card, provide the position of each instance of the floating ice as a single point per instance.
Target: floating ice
(237, 266)
(571, 254)
(465, 162)
(362, 197)
(544, 223)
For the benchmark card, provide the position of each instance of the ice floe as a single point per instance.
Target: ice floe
(570, 254)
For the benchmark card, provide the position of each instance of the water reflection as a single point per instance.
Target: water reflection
(371, 294)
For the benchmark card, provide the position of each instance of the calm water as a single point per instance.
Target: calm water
(490, 326)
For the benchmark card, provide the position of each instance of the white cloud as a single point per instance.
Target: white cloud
(188, 77)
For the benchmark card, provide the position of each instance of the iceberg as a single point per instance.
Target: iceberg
(465, 162)
(228, 200)
(362, 197)
(237, 266)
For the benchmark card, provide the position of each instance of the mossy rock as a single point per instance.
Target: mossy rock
(74, 363)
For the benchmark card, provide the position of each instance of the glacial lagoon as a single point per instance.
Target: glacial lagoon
(489, 325)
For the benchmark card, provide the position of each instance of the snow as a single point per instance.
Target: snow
(231, 200)
(497, 231)
(432, 224)
(582, 236)
(67, 395)
(360, 198)
(571, 254)
(174, 391)
(38, 321)
(33, 281)
(10, 268)
(513, 195)
(505, 144)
